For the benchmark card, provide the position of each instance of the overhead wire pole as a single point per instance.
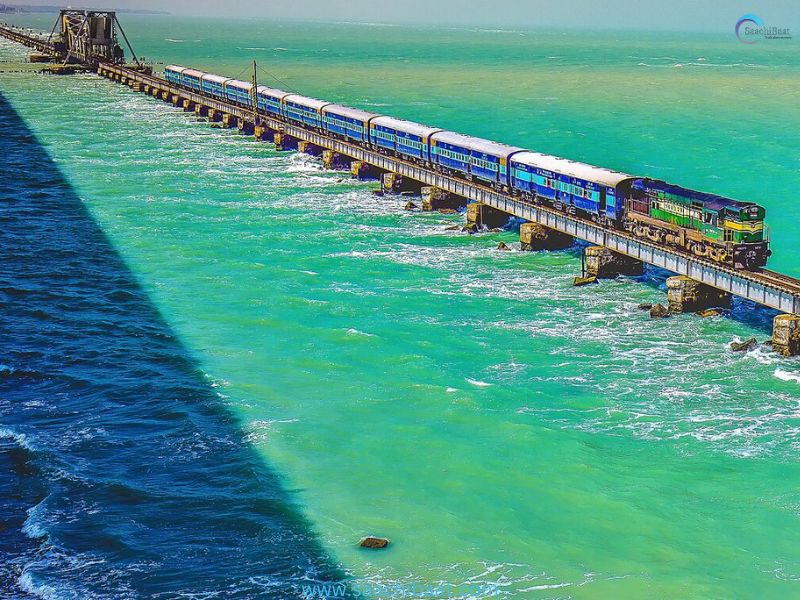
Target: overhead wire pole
(254, 94)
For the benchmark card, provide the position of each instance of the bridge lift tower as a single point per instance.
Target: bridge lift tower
(89, 37)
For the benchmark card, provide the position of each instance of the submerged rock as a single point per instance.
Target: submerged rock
(447, 211)
(453, 228)
(377, 192)
(659, 311)
(503, 246)
(745, 346)
(373, 543)
(470, 228)
(711, 312)
(645, 306)
(410, 206)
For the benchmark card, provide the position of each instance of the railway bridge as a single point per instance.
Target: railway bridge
(699, 283)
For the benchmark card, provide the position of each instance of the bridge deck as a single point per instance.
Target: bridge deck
(765, 287)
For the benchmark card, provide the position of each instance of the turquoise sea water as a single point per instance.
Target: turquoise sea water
(497, 424)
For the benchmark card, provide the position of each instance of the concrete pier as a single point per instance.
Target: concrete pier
(263, 133)
(214, 115)
(786, 335)
(688, 295)
(188, 105)
(200, 110)
(533, 236)
(435, 198)
(483, 215)
(335, 160)
(246, 127)
(394, 183)
(229, 120)
(284, 141)
(309, 148)
(363, 170)
(604, 263)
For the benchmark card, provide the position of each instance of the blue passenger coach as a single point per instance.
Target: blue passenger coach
(270, 100)
(239, 92)
(403, 138)
(475, 157)
(190, 78)
(214, 85)
(596, 192)
(304, 110)
(351, 123)
(172, 74)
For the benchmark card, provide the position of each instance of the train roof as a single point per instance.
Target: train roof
(176, 68)
(306, 101)
(571, 168)
(215, 78)
(477, 144)
(193, 72)
(275, 92)
(405, 126)
(346, 111)
(242, 85)
(712, 201)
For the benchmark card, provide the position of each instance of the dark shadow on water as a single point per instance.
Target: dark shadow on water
(122, 472)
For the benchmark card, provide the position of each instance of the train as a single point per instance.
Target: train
(709, 226)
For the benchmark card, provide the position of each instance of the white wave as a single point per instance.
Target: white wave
(477, 383)
(20, 438)
(786, 376)
(354, 331)
(450, 390)
(174, 41)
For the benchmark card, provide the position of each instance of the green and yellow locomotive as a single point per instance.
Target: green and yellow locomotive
(710, 226)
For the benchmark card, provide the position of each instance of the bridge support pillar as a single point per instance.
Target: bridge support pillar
(786, 335)
(394, 183)
(363, 170)
(263, 133)
(284, 141)
(689, 295)
(335, 161)
(165, 95)
(214, 115)
(483, 215)
(434, 198)
(246, 127)
(200, 110)
(188, 105)
(176, 99)
(229, 120)
(604, 263)
(137, 87)
(533, 236)
(309, 148)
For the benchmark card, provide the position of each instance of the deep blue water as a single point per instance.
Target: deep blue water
(121, 473)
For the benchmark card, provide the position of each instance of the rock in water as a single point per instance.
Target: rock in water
(645, 306)
(659, 311)
(373, 543)
(579, 281)
(745, 346)
(711, 312)
(503, 246)
(410, 205)
(453, 228)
